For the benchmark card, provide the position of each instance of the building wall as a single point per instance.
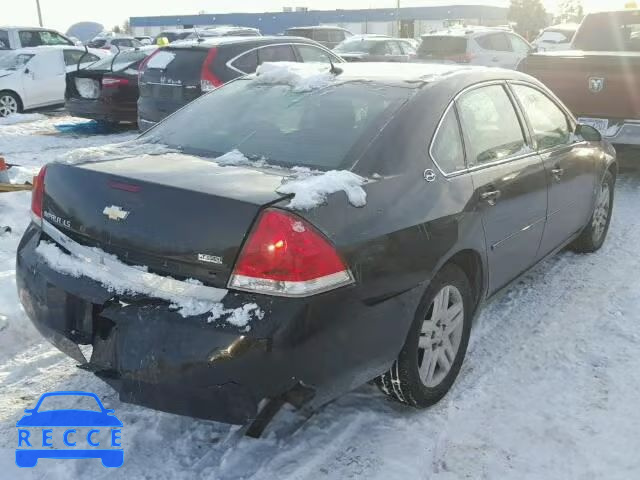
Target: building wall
(383, 21)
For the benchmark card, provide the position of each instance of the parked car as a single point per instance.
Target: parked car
(325, 35)
(375, 49)
(598, 78)
(491, 47)
(115, 44)
(145, 40)
(107, 90)
(13, 38)
(181, 72)
(35, 77)
(557, 37)
(339, 294)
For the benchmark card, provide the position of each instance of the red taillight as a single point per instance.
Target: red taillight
(108, 82)
(37, 194)
(286, 256)
(208, 81)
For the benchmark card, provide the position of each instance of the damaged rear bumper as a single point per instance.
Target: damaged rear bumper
(328, 343)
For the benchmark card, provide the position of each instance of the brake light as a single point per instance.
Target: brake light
(108, 82)
(208, 81)
(37, 195)
(286, 256)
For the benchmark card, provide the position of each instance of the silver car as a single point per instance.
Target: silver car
(491, 47)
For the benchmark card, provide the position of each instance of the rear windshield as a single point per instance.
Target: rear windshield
(178, 65)
(97, 43)
(609, 32)
(358, 45)
(323, 129)
(300, 33)
(124, 60)
(441, 47)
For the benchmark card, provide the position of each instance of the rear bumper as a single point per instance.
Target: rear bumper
(100, 110)
(154, 357)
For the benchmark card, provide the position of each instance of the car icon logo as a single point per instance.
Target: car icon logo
(115, 213)
(596, 84)
(58, 433)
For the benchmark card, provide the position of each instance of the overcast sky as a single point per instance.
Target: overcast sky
(60, 14)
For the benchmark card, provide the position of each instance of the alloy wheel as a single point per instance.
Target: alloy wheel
(440, 336)
(8, 105)
(601, 212)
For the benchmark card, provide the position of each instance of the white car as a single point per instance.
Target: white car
(114, 43)
(491, 47)
(555, 38)
(36, 77)
(12, 38)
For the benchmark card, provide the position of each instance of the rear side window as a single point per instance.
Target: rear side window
(496, 41)
(310, 53)
(442, 47)
(490, 124)
(247, 63)
(447, 150)
(276, 53)
(4, 40)
(518, 45)
(549, 123)
(72, 57)
(29, 38)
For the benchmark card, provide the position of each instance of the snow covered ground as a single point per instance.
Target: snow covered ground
(550, 387)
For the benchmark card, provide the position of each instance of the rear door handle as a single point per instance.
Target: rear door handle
(558, 173)
(490, 197)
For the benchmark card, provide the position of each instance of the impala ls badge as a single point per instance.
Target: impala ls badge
(596, 84)
(115, 213)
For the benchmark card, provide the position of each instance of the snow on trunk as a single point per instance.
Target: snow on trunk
(311, 188)
(303, 77)
(117, 279)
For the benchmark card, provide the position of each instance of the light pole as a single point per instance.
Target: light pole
(39, 12)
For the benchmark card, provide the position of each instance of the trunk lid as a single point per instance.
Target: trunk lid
(591, 84)
(179, 215)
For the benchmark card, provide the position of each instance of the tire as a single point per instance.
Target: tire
(419, 380)
(595, 233)
(9, 103)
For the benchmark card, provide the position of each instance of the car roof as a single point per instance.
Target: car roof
(38, 29)
(209, 42)
(570, 27)
(318, 27)
(47, 48)
(466, 32)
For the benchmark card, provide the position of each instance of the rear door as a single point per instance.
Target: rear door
(45, 79)
(569, 163)
(509, 181)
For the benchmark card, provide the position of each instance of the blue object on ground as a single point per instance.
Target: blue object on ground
(89, 128)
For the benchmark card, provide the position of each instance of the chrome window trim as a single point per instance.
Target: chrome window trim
(475, 168)
(229, 64)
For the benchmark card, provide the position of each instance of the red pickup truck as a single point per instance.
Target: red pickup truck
(599, 79)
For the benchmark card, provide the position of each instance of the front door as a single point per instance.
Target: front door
(569, 165)
(44, 79)
(509, 181)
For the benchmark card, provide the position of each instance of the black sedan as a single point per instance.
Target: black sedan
(208, 283)
(107, 91)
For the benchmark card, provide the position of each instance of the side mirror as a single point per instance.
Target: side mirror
(27, 71)
(589, 133)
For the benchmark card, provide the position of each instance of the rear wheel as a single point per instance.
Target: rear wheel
(595, 233)
(9, 104)
(436, 344)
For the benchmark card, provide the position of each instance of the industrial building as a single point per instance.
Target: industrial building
(412, 21)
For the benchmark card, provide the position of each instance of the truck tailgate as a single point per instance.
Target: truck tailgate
(591, 84)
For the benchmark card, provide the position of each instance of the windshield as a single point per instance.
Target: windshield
(324, 129)
(122, 61)
(356, 45)
(14, 61)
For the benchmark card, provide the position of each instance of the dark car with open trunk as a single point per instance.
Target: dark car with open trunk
(295, 234)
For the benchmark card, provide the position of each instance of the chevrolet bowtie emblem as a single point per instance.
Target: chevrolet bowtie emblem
(115, 213)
